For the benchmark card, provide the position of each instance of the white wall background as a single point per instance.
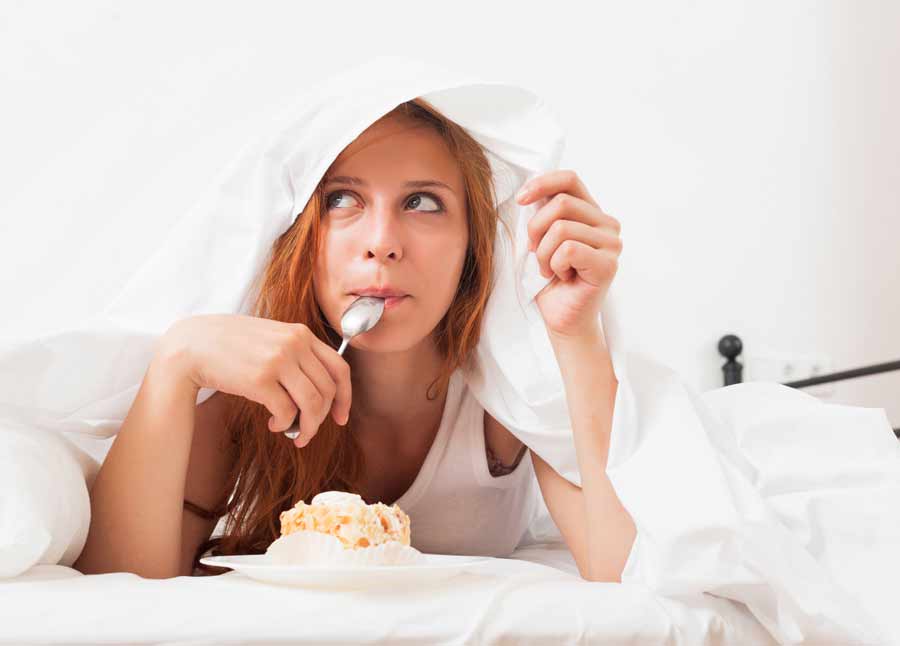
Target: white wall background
(750, 149)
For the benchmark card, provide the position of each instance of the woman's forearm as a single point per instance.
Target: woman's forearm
(591, 385)
(137, 496)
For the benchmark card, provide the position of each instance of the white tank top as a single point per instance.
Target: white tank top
(455, 505)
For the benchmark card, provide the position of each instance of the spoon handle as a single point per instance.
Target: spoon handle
(294, 430)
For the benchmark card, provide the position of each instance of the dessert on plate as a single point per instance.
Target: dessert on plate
(339, 528)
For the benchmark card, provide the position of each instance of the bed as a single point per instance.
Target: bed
(533, 597)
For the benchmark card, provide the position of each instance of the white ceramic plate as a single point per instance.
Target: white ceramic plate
(257, 566)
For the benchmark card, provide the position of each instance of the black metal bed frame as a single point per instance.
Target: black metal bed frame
(730, 346)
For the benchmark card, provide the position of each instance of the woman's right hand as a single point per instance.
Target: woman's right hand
(282, 366)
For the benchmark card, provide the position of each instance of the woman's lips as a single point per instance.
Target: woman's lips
(391, 302)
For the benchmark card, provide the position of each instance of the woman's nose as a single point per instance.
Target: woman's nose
(384, 243)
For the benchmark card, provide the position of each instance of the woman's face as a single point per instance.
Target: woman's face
(395, 223)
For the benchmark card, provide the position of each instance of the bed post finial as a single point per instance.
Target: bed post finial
(730, 347)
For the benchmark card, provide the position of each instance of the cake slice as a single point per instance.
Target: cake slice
(348, 518)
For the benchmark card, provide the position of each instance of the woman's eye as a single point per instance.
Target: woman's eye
(336, 197)
(429, 203)
(416, 200)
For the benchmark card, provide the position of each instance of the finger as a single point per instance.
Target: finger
(339, 371)
(551, 183)
(278, 402)
(567, 207)
(594, 266)
(309, 400)
(562, 230)
(314, 370)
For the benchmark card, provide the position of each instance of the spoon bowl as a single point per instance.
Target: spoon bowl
(361, 316)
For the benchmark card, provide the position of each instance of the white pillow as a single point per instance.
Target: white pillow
(45, 511)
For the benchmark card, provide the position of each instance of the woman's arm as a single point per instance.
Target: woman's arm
(578, 246)
(212, 457)
(596, 527)
(137, 519)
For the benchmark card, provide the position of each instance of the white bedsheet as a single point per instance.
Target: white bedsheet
(534, 598)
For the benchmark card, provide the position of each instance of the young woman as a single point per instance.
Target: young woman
(405, 212)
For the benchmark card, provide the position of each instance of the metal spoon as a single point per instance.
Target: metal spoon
(361, 316)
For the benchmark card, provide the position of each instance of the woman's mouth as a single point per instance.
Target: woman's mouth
(393, 301)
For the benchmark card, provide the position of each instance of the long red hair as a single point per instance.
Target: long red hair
(269, 474)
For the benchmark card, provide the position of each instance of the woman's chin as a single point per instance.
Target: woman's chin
(386, 340)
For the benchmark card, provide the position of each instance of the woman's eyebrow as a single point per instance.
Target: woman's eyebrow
(418, 183)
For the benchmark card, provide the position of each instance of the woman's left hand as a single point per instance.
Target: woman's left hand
(578, 245)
